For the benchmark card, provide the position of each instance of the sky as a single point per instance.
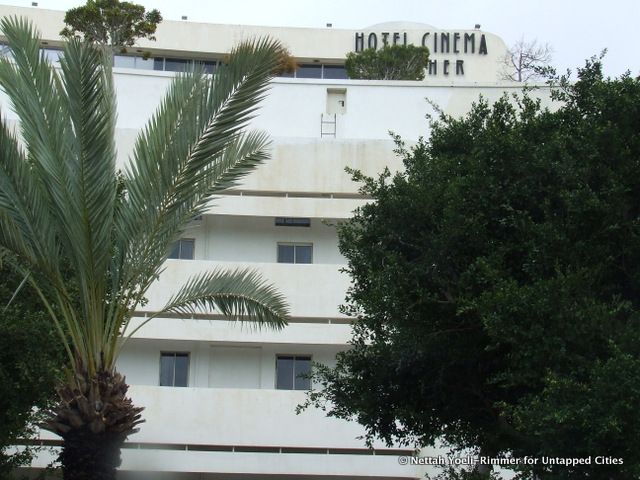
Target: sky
(575, 29)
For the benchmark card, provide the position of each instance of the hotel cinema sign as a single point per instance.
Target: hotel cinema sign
(459, 43)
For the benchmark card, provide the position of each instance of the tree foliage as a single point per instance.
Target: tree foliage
(111, 22)
(391, 62)
(496, 289)
(526, 61)
(30, 361)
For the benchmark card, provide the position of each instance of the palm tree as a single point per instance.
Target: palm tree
(91, 241)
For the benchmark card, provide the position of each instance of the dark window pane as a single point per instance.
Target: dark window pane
(334, 71)
(176, 65)
(309, 71)
(158, 63)
(167, 362)
(175, 250)
(285, 254)
(182, 370)
(304, 254)
(292, 222)
(302, 368)
(286, 74)
(187, 249)
(284, 373)
(209, 67)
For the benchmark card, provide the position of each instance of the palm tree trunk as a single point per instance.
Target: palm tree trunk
(94, 418)
(88, 456)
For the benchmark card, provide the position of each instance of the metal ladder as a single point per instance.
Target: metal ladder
(328, 125)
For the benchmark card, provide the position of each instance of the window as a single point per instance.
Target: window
(130, 61)
(174, 369)
(317, 70)
(177, 64)
(53, 56)
(292, 372)
(208, 66)
(295, 253)
(292, 222)
(309, 71)
(124, 61)
(183, 249)
(334, 72)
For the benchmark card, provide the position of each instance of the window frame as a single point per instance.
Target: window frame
(294, 356)
(174, 354)
(179, 242)
(295, 256)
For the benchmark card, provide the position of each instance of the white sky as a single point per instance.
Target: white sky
(576, 29)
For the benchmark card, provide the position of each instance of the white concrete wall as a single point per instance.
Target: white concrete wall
(302, 161)
(257, 204)
(255, 239)
(309, 331)
(313, 291)
(293, 107)
(219, 416)
(164, 464)
(217, 364)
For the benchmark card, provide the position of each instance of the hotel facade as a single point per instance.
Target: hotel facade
(220, 397)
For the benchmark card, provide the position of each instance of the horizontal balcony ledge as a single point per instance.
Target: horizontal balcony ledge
(299, 283)
(299, 331)
(143, 314)
(239, 448)
(294, 194)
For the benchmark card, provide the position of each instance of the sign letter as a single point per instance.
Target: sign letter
(359, 42)
(456, 39)
(373, 41)
(483, 45)
(444, 42)
(470, 39)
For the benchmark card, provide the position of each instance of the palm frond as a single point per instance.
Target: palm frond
(21, 208)
(239, 158)
(198, 119)
(29, 232)
(60, 212)
(67, 125)
(90, 102)
(236, 294)
(186, 151)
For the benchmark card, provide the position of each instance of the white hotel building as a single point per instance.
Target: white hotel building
(220, 398)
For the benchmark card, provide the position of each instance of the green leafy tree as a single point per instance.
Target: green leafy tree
(30, 363)
(392, 62)
(62, 207)
(111, 22)
(496, 289)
